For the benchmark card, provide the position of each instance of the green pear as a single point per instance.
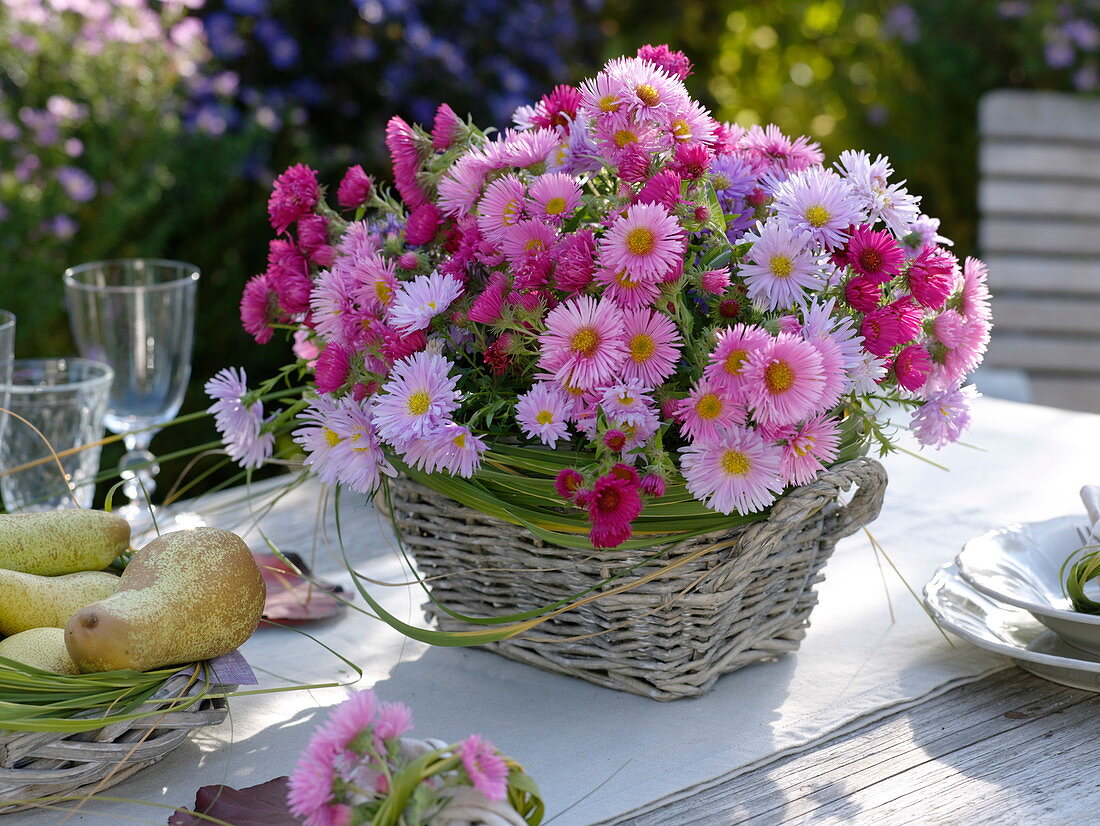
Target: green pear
(32, 601)
(61, 542)
(41, 647)
(186, 596)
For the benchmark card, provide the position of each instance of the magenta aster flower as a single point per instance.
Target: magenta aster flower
(708, 410)
(912, 366)
(557, 109)
(875, 255)
(715, 282)
(944, 417)
(418, 398)
(863, 293)
(653, 485)
(355, 188)
(780, 266)
(419, 301)
(583, 344)
(614, 504)
(402, 143)
(314, 241)
(663, 188)
(882, 332)
(293, 196)
(771, 149)
(288, 275)
(727, 360)
(932, 276)
(554, 196)
(820, 202)
(807, 448)
(239, 424)
(526, 237)
(423, 224)
(674, 63)
(783, 381)
(486, 769)
(445, 127)
(567, 483)
(735, 471)
(691, 160)
(646, 241)
(489, 305)
(502, 206)
(653, 346)
(543, 413)
(576, 261)
(260, 308)
(331, 369)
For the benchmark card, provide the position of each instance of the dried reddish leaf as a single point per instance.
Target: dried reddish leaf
(290, 598)
(262, 805)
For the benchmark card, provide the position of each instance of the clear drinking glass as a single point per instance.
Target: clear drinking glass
(7, 350)
(137, 315)
(65, 399)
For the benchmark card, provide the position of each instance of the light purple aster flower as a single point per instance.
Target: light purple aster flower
(944, 416)
(452, 448)
(879, 199)
(341, 444)
(820, 202)
(240, 424)
(780, 266)
(543, 413)
(417, 399)
(419, 301)
(627, 402)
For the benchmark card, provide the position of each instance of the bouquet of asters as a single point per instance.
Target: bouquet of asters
(620, 318)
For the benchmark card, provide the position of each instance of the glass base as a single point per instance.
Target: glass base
(144, 528)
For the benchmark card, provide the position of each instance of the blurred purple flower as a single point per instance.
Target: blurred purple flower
(221, 35)
(27, 167)
(247, 7)
(77, 183)
(1059, 53)
(902, 22)
(63, 226)
(74, 147)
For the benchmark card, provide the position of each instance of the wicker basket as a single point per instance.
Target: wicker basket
(40, 764)
(747, 598)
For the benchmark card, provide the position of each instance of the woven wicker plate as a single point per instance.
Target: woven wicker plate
(745, 598)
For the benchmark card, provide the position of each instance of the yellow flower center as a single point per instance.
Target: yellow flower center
(720, 181)
(419, 402)
(459, 441)
(555, 206)
(332, 438)
(778, 377)
(817, 215)
(545, 417)
(681, 130)
(535, 244)
(623, 137)
(609, 103)
(383, 292)
(626, 400)
(735, 361)
(647, 94)
(641, 241)
(708, 407)
(642, 347)
(735, 463)
(781, 266)
(585, 341)
(511, 213)
(803, 446)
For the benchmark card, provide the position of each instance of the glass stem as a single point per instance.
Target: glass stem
(138, 468)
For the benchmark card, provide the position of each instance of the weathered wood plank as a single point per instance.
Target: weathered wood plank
(986, 752)
(1036, 314)
(1044, 274)
(1042, 115)
(1040, 353)
(1040, 198)
(1048, 161)
(1043, 236)
(1080, 393)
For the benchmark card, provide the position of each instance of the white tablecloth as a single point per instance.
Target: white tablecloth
(598, 754)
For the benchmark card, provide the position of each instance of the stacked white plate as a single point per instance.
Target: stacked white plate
(1004, 593)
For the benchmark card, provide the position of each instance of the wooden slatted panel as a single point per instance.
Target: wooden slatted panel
(1039, 354)
(1046, 274)
(1043, 236)
(1033, 314)
(1077, 393)
(1041, 116)
(1047, 161)
(1078, 201)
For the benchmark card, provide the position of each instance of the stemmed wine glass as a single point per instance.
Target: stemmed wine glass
(137, 315)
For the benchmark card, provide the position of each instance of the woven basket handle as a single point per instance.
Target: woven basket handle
(870, 479)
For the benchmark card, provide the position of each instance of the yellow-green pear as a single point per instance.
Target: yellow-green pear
(61, 542)
(31, 601)
(41, 647)
(186, 596)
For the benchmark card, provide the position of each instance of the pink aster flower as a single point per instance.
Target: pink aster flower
(646, 241)
(583, 344)
(735, 471)
(576, 260)
(674, 63)
(543, 413)
(554, 196)
(627, 402)
(394, 719)
(875, 255)
(912, 366)
(862, 293)
(663, 188)
(944, 417)
(834, 373)
(820, 202)
(600, 96)
(486, 769)
(728, 359)
(355, 188)
(418, 398)
(807, 448)
(451, 448)
(341, 444)
(260, 308)
(557, 108)
(310, 785)
(715, 282)
(445, 127)
(332, 306)
(527, 236)
(526, 149)
(377, 283)
(783, 381)
(691, 160)
(653, 346)
(288, 275)
(502, 206)
(460, 186)
(489, 305)
(402, 144)
(423, 224)
(331, 368)
(645, 89)
(653, 485)
(708, 410)
(634, 164)
(419, 301)
(770, 148)
(616, 132)
(293, 196)
(613, 506)
(628, 291)
(882, 332)
(314, 241)
(780, 266)
(960, 344)
(932, 276)
(974, 294)
(239, 424)
(690, 124)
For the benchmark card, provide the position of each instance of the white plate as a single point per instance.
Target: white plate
(1008, 631)
(1020, 564)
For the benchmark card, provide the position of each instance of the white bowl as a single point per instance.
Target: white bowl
(1020, 565)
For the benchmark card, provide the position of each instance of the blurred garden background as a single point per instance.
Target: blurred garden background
(146, 128)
